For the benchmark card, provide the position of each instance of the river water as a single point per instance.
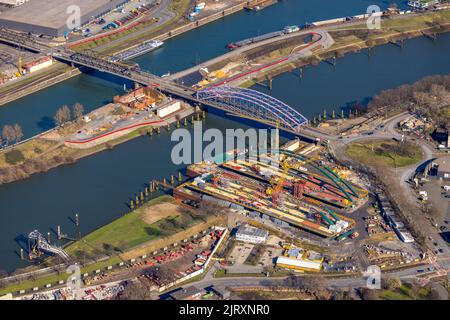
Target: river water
(98, 188)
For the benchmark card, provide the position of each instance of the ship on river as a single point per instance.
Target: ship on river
(145, 47)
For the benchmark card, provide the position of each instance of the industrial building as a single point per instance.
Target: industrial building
(404, 235)
(251, 234)
(441, 167)
(298, 264)
(188, 293)
(51, 17)
(13, 3)
(298, 259)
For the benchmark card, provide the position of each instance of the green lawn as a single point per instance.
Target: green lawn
(406, 292)
(387, 153)
(121, 234)
(55, 278)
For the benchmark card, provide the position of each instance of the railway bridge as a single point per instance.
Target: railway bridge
(244, 103)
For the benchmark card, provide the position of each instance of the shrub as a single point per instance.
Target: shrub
(13, 157)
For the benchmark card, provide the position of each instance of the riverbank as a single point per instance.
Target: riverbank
(49, 157)
(120, 244)
(355, 38)
(55, 147)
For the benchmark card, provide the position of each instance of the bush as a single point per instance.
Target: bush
(13, 157)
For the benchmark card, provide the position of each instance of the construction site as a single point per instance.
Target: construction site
(288, 187)
(139, 108)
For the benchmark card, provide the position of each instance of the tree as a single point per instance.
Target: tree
(8, 133)
(370, 294)
(78, 111)
(392, 283)
(18, 134)
(62, 115)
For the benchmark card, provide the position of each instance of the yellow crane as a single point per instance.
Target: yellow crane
(277, 186)
(20, 66)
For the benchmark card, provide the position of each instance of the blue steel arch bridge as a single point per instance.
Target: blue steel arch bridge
(253, 104)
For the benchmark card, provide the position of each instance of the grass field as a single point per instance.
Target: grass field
(406, 292)
(133, 229)
(386, 153)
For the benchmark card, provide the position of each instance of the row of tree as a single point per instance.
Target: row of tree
(64, 115)
(426, 97)
(11, 133)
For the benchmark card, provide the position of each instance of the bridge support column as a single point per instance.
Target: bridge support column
(137, 85)
(270, 83)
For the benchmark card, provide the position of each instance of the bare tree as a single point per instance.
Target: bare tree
(136, 290)
(369, 294)
(8, 133)
(62, 115)
(78, 111)
(18, 134)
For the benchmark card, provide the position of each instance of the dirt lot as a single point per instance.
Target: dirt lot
(240, 252)
(160, 211)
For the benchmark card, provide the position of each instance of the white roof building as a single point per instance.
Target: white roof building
(405, 236)
(251, 234)
(299, 264)
(13, 3)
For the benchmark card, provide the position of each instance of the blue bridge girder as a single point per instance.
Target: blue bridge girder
(254, 104)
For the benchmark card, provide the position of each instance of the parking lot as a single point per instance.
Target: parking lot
(439, 200)
(131, 11)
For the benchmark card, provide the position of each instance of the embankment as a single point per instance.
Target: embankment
(69, 153)
(37, 83)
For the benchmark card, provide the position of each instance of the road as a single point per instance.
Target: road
(162, 11)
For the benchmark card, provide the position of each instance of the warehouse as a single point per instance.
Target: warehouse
(298, 264)
(51, 17)
(250, 234)
(13, 3)
(441, 168)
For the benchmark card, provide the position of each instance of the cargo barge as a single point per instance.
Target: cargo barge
(245, 42)
(256, 5)
(144, 48)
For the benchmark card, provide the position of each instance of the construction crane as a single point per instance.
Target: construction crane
(20, 65)
(277, 186)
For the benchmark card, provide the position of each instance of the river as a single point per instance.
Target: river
(99, 187)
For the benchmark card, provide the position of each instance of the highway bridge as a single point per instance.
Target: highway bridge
(245, 103)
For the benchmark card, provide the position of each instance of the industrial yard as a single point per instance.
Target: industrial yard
(296, 189)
